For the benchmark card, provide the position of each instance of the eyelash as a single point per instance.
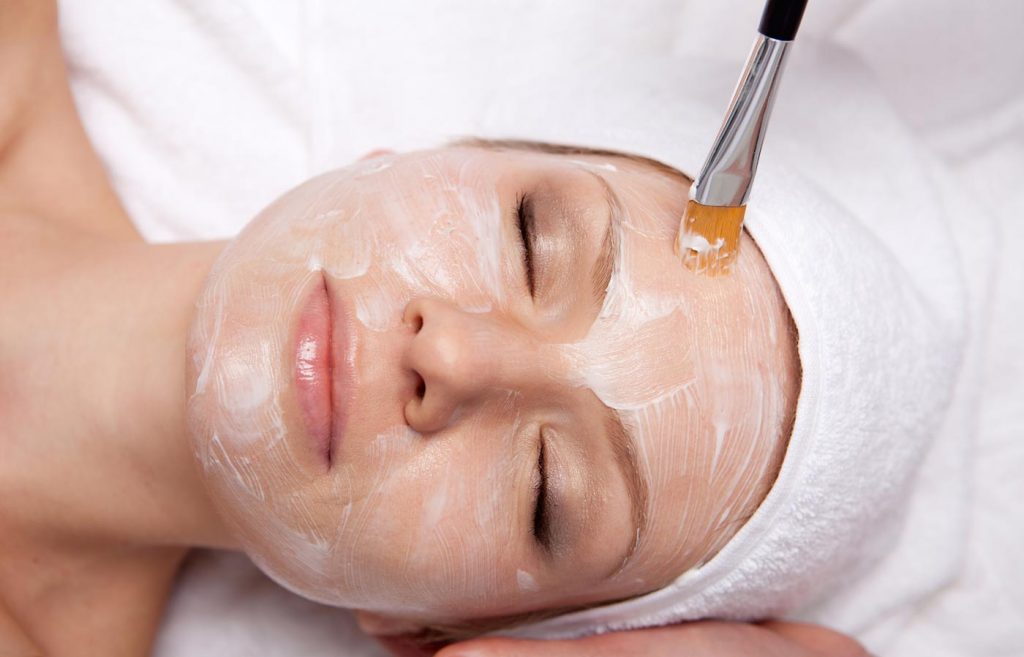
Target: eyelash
(541, 527)
(525, 222)
(541, 522)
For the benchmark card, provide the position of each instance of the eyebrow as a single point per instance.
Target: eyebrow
(601, 274)
(636, 485)
(618, 437)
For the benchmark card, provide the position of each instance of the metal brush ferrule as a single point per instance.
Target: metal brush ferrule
(729, 170)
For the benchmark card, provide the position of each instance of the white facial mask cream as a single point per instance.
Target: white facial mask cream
(399, 521)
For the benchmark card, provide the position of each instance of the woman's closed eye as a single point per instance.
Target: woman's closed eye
(526, 223)
(541, 517)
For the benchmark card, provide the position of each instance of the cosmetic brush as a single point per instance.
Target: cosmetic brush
(709, 233)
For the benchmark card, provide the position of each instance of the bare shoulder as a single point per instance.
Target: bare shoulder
(29, 52)
(48, 166)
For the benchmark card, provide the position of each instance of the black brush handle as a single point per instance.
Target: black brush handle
(781, 19)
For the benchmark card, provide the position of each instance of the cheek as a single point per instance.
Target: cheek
(457, 533)
(433, 533)
(447, 243)
(455, 519)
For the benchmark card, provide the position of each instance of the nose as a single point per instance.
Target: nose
(458, 358)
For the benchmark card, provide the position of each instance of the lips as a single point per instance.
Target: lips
(323, 372)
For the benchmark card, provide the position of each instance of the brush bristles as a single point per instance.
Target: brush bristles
(709, 238)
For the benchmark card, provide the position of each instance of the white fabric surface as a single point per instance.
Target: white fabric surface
(205, 111)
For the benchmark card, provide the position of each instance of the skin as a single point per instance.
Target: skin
(102, 499)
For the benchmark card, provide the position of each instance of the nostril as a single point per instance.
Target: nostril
(413, 317)
(421, 388)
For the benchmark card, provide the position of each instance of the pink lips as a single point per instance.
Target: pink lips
(322, 377)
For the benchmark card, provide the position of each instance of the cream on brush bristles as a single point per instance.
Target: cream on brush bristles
(709, 237)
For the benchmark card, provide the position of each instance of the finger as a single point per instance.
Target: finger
(402, 647)
(818, 639)
(523, 648)
(659, 642)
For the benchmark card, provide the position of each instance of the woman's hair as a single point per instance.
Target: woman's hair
(567, 149)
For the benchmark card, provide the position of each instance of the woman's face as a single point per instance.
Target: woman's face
(470, 382)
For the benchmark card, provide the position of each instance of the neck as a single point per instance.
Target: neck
(102, 450)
